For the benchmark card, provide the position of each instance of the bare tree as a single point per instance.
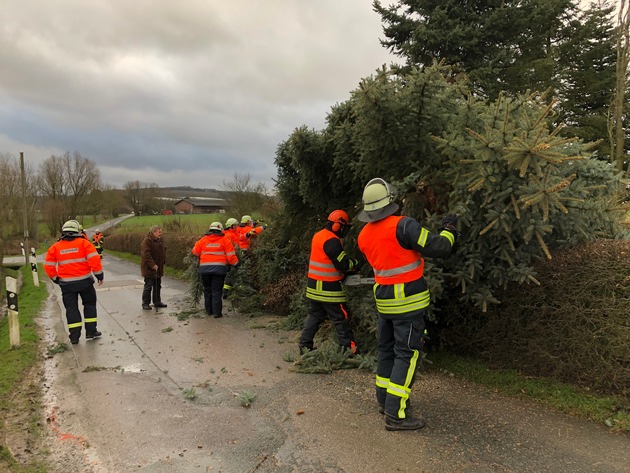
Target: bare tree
(139, 194)
(243, 197)
(66, 181)
(621, 83)
(82, 177)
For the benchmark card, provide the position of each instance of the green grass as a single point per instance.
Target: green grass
(613, 411)
(192, 224)
(15, 364)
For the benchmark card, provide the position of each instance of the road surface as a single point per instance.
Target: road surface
(123, 404)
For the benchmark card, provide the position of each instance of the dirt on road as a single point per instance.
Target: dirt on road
(162, 394)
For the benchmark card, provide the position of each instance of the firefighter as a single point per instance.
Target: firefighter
(232, 234)
(216, 257)
(244, 233)
(97, 241)
(327, 267)
(70, 263)
(395, 246)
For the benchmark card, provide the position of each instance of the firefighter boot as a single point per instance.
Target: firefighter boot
(408, 423)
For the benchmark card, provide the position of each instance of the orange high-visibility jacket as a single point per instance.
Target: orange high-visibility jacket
(243, 236)
(320, 266)
(73, 260)
(215, 252)
(392, 263)
(233, 236)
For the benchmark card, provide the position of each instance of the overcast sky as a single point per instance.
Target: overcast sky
(177, 92)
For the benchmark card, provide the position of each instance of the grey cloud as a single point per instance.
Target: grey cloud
(176, 87)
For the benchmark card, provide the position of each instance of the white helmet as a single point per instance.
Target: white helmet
(378, 201)
(216, 226)
(230, 222)
(245, 218)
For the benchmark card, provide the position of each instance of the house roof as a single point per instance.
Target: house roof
(203, 201)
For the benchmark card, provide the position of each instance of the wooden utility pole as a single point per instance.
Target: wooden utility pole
(24, 209)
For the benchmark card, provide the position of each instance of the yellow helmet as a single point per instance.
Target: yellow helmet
(245, 218)
(71, 226)
(378, 201)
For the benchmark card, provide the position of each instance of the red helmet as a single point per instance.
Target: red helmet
(339, 216)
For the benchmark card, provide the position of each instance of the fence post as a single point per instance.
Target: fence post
(34, 267)
(12, 305)
(23, 253)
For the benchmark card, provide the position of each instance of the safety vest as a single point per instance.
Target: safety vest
(72, 260)
(215, 250)
(394, 267)
(243, 237)
(392, 263)
(233, 236)
(320, 267)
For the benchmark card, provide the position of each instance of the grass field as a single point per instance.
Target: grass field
(191, 224)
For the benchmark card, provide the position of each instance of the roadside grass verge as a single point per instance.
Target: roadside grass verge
(19, 396)
(613, 411)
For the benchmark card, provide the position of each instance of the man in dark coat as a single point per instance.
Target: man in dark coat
(152, 260)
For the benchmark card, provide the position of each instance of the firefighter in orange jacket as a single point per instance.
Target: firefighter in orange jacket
(216, 257)
(71, 262)
(231, 232)
(244, 232)
(327, 268)
(395, 246)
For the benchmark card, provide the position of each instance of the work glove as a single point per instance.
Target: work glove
(449, 223)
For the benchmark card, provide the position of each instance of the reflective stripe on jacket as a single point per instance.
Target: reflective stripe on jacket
(73, 260)
(215, 252)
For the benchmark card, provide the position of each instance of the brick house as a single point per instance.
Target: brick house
(200, 205)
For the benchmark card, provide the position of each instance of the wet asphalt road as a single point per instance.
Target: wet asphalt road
(121, 404)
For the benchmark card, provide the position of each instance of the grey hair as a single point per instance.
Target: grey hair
(154, 228)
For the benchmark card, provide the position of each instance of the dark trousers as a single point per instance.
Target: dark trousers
(318, 312)
(212, 292)
(70, 300)
(399, 345)
(152, 285)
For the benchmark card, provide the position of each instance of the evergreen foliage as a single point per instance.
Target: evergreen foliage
(521, 190)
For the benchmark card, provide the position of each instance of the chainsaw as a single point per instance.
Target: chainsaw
(357, 280)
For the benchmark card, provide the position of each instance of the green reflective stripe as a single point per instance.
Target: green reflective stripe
(325, 296)
(399, 291)
(75, 325)
(90, 320)
(382, 382)
(422, 239)
(396, 271)
(341, 256)
(412, 367)
(403, 393)
(227, 286)
(403, 304)
(448, 235)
